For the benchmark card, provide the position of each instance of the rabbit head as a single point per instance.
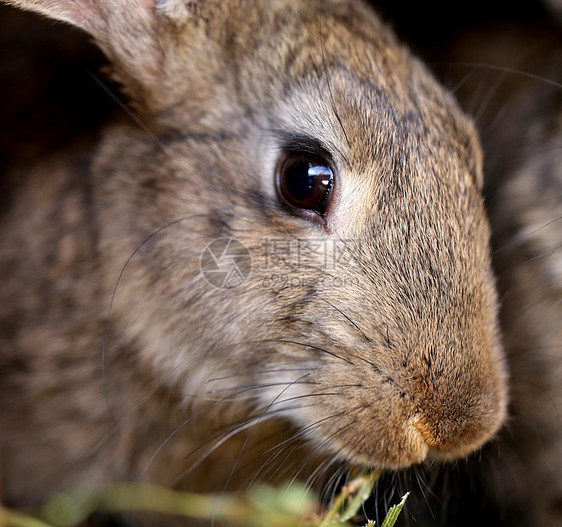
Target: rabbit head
(310, 145)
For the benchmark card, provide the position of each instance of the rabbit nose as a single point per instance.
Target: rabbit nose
(455, 429)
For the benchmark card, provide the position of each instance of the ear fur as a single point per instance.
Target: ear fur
(128, 31)
(97, 17)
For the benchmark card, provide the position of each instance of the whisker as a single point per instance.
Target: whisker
(506, 69)
(321, 445)
(515, 318)
(277, 450)
(348, 319)
(248, 437)
(310, 346)
(184, 423)
(488, 97)
(331, 487)
(223, 438)
(335, 481)
(450, 93)
(251, 387)
(329, 85)
(535, 257)
(110, 309)
(255, 373)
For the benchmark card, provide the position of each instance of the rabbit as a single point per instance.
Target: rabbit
(276, 264)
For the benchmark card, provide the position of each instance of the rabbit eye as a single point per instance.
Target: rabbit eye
(305, 181)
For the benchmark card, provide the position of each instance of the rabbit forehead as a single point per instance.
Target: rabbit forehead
(366, 99)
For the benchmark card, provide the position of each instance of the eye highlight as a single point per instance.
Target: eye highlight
(305, 181)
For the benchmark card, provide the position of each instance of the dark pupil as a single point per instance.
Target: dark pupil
(300, 179)
(306, 184)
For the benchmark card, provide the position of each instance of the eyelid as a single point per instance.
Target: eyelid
(292, 141)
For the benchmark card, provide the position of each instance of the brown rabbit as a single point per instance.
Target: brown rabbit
(363, 333)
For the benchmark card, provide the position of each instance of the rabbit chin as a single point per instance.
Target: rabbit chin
(410, 449)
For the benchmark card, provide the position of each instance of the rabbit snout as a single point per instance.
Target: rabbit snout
(394, 409)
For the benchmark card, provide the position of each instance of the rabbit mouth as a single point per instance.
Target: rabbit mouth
(410, 449)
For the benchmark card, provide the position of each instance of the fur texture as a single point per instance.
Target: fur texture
(119, 361)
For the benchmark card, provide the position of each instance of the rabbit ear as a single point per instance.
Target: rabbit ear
(98, 17)
(128, 31)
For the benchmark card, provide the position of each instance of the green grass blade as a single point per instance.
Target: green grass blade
(363, 494)
(394, 512)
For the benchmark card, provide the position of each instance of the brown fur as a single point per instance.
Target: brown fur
(401, 363)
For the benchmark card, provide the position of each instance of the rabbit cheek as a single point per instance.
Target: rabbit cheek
(364, 419)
